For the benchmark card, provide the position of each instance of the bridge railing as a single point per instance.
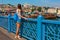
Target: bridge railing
(34, 29)
(50, 30)
(4, 22)
(28, 27)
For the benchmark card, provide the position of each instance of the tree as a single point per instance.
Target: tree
(39, 9)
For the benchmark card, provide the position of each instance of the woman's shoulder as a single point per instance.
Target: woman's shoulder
(18, 10)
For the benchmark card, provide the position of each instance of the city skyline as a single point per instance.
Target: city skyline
(49, 3)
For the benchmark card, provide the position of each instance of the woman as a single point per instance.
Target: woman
(19, 14)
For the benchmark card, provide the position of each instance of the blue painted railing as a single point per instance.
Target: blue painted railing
(34, 29)
(50, 30)
(4, 22)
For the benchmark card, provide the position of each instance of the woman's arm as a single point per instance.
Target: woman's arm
(19, 14)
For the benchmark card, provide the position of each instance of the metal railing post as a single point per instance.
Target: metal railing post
(9, 29)
(39, 27)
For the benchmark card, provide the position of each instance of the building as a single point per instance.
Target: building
(58, 11)
(7, 7)
(52, 10)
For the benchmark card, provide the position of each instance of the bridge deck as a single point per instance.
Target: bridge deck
(4, 35)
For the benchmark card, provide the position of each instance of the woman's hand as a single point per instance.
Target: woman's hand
(25, 18)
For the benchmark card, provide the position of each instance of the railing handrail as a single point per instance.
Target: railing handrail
(4, 16)
(51, 21)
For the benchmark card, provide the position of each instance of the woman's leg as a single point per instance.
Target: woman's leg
(17, 30)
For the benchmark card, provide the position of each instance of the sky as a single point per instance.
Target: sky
(50, 3)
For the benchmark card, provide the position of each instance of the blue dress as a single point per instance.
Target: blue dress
(17, 18)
